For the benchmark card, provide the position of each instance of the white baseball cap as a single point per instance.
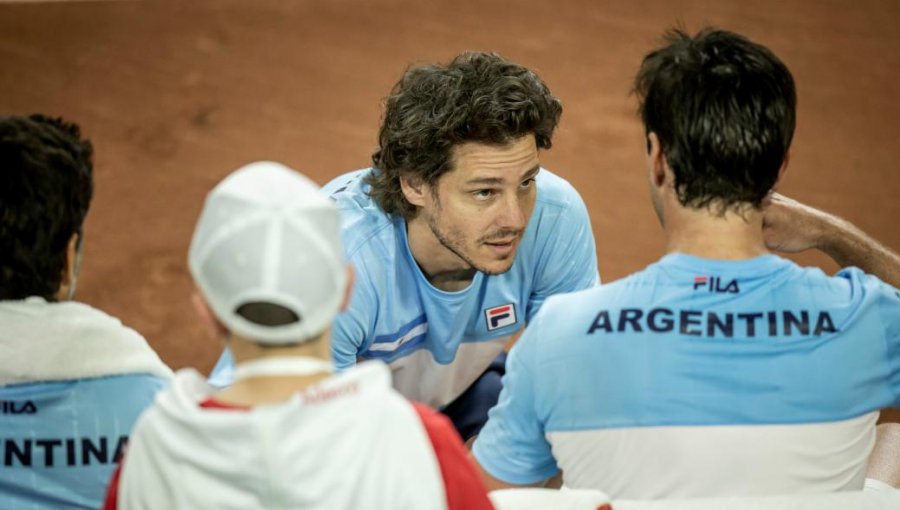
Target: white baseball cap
(268, 235)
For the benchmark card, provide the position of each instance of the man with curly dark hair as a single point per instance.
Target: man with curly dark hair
(72, 379)
(721, 369)
(457, 234)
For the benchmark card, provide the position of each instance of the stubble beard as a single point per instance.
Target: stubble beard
(457, 249)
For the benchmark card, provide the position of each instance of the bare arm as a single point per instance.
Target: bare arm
(790, 226)
(492, 483)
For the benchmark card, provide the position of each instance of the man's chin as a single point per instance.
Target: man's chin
(495, 268)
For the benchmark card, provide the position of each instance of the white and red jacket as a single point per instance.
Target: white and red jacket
(350, 441)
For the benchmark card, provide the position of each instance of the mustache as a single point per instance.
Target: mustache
(502, 235)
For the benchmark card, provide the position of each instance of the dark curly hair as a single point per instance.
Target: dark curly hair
(46, 184)
(477, 97)
(724, 109)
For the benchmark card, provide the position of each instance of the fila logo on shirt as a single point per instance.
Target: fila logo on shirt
(715, 284)
(500, 316)
(20, 407)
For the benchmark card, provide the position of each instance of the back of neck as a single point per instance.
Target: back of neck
(269, 388)
(704, 233)
(256, 391)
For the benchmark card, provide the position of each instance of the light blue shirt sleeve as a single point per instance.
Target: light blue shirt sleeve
(512, 446)
(885, 299)
(346, 339)
(888, 302)
(350, 332)
(569, 261)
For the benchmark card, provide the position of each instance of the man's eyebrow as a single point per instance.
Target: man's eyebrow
(496, 180)
(485, 180)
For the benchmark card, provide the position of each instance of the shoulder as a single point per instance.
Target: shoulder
(86, 343)
(854, 277)
(371, 378)
(367, 394)
(559, 226)
(850, 286)
(179, 401)
(68, 314)
(364, 225)
(571, 303)
(134, 389)
(345, 182)
(860, 285)
(559, 212)
(566, 316)
(554, 191)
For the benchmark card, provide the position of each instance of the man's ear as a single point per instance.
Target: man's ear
(413, 188)
(70, 269)
(216, 329)
(656, 160)
(348, 291)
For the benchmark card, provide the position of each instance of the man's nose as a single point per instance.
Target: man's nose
(512, 214)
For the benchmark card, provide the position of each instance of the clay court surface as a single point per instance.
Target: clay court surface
(175, 95)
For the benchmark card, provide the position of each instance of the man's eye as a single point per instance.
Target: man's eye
(527, 183)
(483, 194)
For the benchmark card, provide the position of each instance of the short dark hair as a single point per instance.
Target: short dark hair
(477, 97)
(724, 110)
(46, 184)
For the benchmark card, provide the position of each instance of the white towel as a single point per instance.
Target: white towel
(41, 341)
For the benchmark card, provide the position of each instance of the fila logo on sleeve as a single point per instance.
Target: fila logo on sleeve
(500, 316)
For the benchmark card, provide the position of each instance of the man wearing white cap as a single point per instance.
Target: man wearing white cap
(289, 433)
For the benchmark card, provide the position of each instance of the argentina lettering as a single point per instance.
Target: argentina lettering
(713, 324)
(62, 452)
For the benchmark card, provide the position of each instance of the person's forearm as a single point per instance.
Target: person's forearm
(850, 246)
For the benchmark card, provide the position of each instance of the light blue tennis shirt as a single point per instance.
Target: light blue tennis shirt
(437, 343)
(62, 440)
(698, 378)
(73, 381)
